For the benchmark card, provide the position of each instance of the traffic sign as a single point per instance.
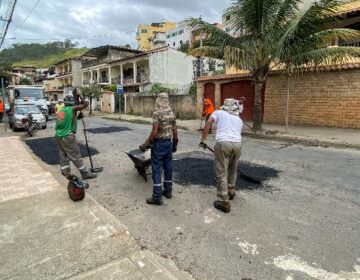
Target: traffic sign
(119, 89)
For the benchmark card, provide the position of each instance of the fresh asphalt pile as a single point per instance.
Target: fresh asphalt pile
(47, 150)
(197, 168)
(107, 129)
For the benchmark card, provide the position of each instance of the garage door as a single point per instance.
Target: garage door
(238, 89)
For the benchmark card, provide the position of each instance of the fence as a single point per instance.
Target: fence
(184, 106)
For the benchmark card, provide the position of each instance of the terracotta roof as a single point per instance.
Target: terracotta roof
(349, 7)
(225, 77)
(247, 76)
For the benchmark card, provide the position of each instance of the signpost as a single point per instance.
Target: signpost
(119, 91)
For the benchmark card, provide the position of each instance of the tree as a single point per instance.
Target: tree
(24, 81)
(91, 92)
(266, 34)
(307, 39)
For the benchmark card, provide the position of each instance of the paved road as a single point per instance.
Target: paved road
(304, 224)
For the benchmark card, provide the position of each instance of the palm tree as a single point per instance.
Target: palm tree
(267, 34)
(307, 39)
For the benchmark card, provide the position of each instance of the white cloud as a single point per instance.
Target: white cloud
(54, 19)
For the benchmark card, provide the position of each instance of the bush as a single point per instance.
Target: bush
(193, 89)
(158, 88)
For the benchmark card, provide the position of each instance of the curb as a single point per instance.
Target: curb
(301, 141)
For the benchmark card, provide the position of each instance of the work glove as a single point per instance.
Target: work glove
(145, 146)
(203, 144)
(174, 147)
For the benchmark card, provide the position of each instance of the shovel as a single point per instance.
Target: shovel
(242, 172)
(93, 169)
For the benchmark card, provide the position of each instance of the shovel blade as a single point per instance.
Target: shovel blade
(97, 169)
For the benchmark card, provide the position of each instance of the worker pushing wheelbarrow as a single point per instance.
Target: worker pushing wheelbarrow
(163, 141)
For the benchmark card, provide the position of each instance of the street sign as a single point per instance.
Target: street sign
(119, 89)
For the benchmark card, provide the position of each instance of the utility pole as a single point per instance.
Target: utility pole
(3, 98)
(7, 18)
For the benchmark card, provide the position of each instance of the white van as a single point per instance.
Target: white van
(23, 95)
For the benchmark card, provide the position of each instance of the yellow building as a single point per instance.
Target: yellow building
(145, 33)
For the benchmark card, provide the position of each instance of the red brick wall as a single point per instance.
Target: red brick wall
(318, 99)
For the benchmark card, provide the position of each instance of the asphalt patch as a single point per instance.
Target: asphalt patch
(197, 168)
(107, 129)
(47, 150)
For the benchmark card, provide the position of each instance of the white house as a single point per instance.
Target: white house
(178, 36)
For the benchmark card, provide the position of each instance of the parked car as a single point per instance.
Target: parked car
(21, 111)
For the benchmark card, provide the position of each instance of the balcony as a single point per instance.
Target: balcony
(95, 62)
(104, 80)
(64, 74)
(143, 78)
(115, 81)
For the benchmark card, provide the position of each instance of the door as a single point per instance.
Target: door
(238, 89)
(209, 92)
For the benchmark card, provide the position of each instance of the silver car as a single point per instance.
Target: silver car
(21, 111)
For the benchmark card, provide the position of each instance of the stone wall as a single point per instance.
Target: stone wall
(143, 105)
(318, 99)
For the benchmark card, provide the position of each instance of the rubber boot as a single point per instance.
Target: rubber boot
(168, 195)
(152, 201)
(223, 206)
(88, 175)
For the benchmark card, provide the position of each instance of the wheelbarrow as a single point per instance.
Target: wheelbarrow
(141, 162)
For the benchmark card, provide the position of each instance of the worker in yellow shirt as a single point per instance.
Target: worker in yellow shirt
(59, 106)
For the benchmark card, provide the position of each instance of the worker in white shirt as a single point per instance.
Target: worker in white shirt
(227, 149)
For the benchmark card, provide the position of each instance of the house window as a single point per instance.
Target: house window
(228, 17)
(174, 44)
(143, 30)
(174, 34)
(181, 42)
(181, 32)
(168, 36)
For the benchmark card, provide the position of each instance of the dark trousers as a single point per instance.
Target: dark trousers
(161, 157)
(1, 116)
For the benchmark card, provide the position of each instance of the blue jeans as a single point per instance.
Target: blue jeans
(161, 158)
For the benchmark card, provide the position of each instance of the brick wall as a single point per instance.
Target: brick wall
(318, 99)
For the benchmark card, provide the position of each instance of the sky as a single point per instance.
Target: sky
(112, 21)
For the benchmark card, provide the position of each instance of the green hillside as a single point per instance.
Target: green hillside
(50, 60)
(39, 55)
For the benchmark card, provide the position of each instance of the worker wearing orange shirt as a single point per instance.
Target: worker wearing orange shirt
(209, 108)
(2, 109)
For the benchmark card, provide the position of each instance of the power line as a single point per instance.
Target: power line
(8, 17)
(29, 14)
(75, 37)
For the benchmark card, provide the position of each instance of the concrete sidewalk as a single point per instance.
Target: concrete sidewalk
(44, 235)
(317, 136)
